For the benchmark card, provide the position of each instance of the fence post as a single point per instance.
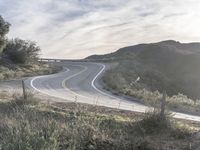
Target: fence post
(24, 90)
(163, 104)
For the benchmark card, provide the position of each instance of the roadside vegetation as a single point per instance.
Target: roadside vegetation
(32, 124)
(26, 70)
(117, 84)
(19, 58)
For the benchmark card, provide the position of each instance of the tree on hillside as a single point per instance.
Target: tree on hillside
(4, 28)
(21, 51)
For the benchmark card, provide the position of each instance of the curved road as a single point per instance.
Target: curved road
(78, 82)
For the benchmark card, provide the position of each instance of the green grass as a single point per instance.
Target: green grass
(31, 124)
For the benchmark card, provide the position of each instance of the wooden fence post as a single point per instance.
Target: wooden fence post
(24, 90)
(163, 104)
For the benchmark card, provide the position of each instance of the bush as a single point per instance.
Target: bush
(21, 51)
(4, 28)
(153, 123)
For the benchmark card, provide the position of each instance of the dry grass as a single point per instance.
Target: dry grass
(31, 124)
(177, 102)
(27, 70)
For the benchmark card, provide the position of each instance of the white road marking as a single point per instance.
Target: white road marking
(92, 83)
(98, 90)
(40, 91)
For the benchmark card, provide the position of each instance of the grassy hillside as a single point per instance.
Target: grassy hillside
(167, 65)
(9, 70)
(30, 124)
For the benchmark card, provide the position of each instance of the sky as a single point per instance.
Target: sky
(75, 29)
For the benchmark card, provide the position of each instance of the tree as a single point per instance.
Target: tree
(21, 51)
(4, 29)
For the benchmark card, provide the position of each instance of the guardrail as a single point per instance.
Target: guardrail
(60, 60)
(77, 60)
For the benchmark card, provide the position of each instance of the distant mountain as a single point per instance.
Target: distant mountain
(167, 65)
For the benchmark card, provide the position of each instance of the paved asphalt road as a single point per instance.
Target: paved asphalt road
(79, 81)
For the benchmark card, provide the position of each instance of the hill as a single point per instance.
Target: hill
(167, 65)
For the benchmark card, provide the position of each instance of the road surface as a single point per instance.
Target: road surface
(79, 82)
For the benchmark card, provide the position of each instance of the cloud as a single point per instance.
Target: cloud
(78, 28)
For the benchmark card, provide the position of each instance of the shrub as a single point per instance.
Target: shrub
(153, 123)
(21, 51)
(4, 28)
